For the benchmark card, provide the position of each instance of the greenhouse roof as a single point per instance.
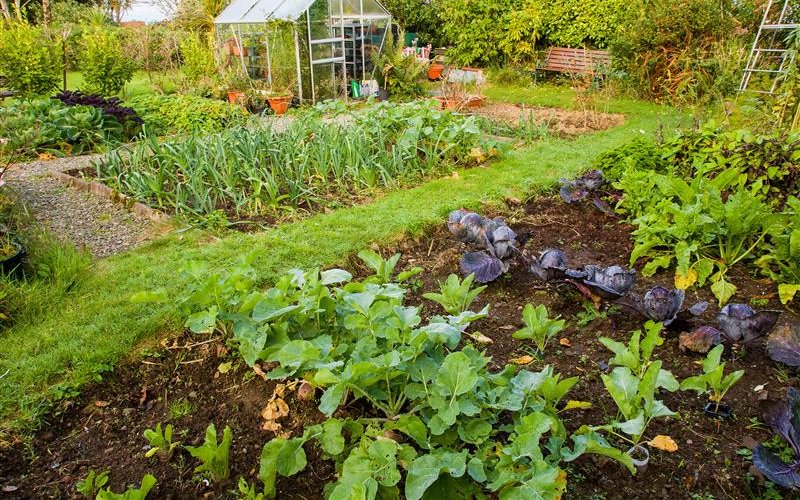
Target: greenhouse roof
(258, 11)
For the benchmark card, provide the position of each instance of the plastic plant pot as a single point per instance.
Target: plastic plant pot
(280, 104)
(721, 411)
(640, 456)
(13, 260)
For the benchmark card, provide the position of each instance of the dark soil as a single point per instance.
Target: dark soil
(103, 428)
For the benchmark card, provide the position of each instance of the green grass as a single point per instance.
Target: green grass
(99, 324)
(139, 85)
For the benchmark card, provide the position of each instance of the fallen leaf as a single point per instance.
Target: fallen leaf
(225, 367)
(508, 327)
(577, 405)
(481, 338)
(565, 342)
(523, 360)
(683, 282)
(101, 404)
(759, 388)
(260, 372)
(664, 443)
(9, 488)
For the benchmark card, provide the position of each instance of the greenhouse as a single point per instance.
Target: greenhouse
(313, 48)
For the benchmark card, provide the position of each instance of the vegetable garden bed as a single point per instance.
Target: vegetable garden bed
(194, 380)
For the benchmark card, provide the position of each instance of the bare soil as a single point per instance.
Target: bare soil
(102, 429)
(562, 122)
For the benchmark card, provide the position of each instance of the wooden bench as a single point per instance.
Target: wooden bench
(575, 61)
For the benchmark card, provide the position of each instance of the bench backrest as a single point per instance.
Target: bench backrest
(567, 60)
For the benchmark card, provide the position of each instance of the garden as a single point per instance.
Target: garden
(450, 249)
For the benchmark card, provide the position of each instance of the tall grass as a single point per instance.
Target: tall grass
(249, 172)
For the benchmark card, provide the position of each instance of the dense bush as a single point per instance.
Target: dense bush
(105, 68)
(681, 50)
(575, 23)
(171, 114)
(48, 125)
(398, 73)
(29, 60)
(198, 59)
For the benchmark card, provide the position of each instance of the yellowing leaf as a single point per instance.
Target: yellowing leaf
(787, 292)
(573, 404)
(683, 282)
(664, 443)
(565, 342)
(225, 367)
(523, 360)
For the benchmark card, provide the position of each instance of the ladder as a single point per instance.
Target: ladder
(769, 55)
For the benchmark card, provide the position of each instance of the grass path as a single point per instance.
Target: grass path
(98, 324)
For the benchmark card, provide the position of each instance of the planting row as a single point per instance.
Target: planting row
(250, 173)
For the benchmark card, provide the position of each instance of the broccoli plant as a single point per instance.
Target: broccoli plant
(637, 354)
(384, 268)
(140, 493)
(456, 296)
(161, 442)
(212, 455)
(92, 483)
(538, 326)
(712, 379)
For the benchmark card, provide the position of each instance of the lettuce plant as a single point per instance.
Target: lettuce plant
(92, 483)
(140, 493)
(384, 268)
(638, 353)
(784, 418)
(213, 456)
(161, 442)
(713, 379)
(539, 327)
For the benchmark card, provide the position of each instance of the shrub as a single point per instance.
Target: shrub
(28, 59)
(575, 23)
(170, 114)
(398, 73)
(103, 63)
(198, 59)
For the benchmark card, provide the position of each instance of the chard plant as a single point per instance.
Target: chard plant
(456, 296)
(214, 456)
(713, 381)
(92, 483)
(140, 493)
(161, 443)
(539, 327)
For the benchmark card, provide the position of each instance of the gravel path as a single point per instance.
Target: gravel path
(102, 227)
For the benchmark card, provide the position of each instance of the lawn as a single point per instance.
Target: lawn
(142, 83)
(80, 339)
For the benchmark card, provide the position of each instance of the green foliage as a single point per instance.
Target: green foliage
(499, 431)
(538, 326)
(713, 380)
(417, 16)
(247, 491)
(577, 23)
(198, 59)
(29, 59)
(161, 442)
(148, 481)
(401, 75)
(639, 154)
(213, 456)
(104, 66)
(257, 171)
(384, 268)
(49, 126)
(728, 212)
(456, 295)
(180, 113)
(637, 354)
(679, 49)
(92, 483)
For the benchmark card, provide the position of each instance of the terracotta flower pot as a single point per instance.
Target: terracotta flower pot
(280, 104)
(235, 96)
(450, 103)
(435, 71)
(476, 101)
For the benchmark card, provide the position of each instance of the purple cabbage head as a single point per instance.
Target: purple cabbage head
(783, 345)
(484, 266)
(701, 339)
(577, 190)
(784, 419)
(742, 324)
(662, 305)
(551, 265)
(108, 105)
(609, 283)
